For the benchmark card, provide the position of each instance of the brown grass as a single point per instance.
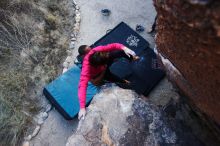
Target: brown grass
(15, 108)
(30, 55)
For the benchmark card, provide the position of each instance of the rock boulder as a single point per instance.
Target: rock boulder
(188, 35)
(118, 117)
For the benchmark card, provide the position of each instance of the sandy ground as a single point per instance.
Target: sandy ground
(94, 25)
(56, 130)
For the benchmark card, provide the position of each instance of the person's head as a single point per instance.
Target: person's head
(83, 50)
(99, 58)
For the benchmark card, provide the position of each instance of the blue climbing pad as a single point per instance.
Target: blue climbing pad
(63, 93)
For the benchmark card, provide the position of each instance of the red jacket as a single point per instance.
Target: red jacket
(88, 72)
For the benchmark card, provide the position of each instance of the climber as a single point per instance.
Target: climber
(95, 68)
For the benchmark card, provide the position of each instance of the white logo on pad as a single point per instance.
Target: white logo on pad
(132, 41)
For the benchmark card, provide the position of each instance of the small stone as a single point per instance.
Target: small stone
(72, 45)
(48, 108)
(75, 33)
(26, 143)
(78, 15)
(41, 117)
(36, 130)
(72, 35)
(76, 25)
(74, 2)
(65, 69)
(69, 53)
(65, 64)
(77, 7)
(73, 39)
(76, 29)
(77, 11)
(77, 19)
(28, 138)
(44, 115)
(40, 121)
(68, 59)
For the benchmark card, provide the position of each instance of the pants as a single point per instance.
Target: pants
(113, 56)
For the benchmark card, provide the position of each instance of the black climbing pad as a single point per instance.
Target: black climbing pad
(145, 73)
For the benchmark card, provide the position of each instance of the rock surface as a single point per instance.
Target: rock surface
(188, 35)
(118, 117)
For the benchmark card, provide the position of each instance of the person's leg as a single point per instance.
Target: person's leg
(113, 56)
(110, 76)
(120, 82)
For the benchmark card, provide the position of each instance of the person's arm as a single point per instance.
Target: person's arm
(82, 96)
(109, 47)
(83, 83)
(82, 88)
(115, 47)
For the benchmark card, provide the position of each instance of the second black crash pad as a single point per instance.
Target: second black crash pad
(145, 73)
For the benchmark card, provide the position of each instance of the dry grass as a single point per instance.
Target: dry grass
(51, 21)
(15, 107)
(29, 51)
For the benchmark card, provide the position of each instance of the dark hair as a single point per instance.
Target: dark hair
(82, 50)
(99, 58)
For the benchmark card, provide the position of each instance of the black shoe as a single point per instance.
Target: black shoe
(105, 12)
(139, 28)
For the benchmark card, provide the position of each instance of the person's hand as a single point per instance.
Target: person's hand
(129, 52)
(82, 114)
(135, 58)
(127, 82)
